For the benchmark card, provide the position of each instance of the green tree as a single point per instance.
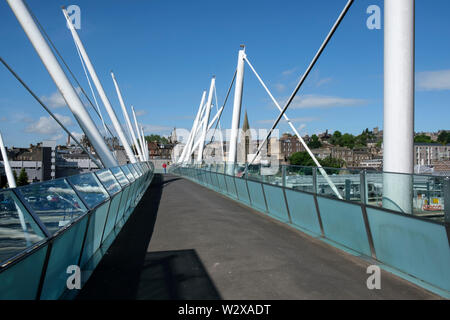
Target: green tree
(421, 138)
(156, 138)
(314, 143)
(23, 178)
(444, 137)
(301, 159)
(331, 162)
(347, 140)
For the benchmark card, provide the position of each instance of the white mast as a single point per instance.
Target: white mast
(188, 145)
(12, 184)
(135, 141)
(122, 104)
(232, 155)
(62, 82)
(100, 90)
(138, 136)
(206, 120)
(398, 128)
(8, 170)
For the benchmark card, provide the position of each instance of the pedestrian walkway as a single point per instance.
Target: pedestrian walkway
(188, 242)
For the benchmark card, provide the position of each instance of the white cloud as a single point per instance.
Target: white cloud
(140, 112)
(77, 135)
(56, 100)
(323, 81)
(156, 129)
(317, 101)
(47, 125)
(288, 72)
(280, 87)
(433, 80)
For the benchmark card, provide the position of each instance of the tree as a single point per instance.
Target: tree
(314, 143)
(444, 137)
(156, 138)
(23, 178)
(422, 138)
(301, 159)
(330, 162)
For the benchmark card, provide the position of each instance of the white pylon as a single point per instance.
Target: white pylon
(206, 120)
(62, 82)
(232, 152)
(100, 90)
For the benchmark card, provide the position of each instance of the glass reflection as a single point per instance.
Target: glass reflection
(120, 176)
(18, 230)
(89, 188)
(108, 180)
(55, 202)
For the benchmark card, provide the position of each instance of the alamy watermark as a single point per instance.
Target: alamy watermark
(374, 280)
(74, 279)
(373, 22)
(74, 13)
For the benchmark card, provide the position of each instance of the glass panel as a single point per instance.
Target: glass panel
(128, 173)
(428, 197)
(137, 168)
(55, 202)
(300, 178)
(18, 230)
(133, 171)
(18, 282)
(347, 182)
(120, 176)
(89, 188)
(108, 180)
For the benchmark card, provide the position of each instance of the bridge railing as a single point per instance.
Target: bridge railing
(49, 229)
(414, 244)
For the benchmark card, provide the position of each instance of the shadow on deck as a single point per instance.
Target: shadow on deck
(128, 271)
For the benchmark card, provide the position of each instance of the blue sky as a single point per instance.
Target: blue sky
(164, 53)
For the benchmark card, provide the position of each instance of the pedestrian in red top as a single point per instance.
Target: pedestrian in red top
(164, 167)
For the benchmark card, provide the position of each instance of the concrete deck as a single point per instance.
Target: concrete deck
(187, 242)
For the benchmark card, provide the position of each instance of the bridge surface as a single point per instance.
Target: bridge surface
(187, 242)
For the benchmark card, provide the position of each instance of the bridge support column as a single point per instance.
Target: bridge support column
(232, 152)
(398, 128)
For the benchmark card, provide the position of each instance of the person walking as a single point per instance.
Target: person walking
(164, 167)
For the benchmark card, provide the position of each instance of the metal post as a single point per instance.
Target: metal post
(206, 120)
(348, 185)
(62, 82)
(314, 176)
(363, 187)
(100, 90)
(398, 129)
(283, 175)
(232, 154)
(446, 190)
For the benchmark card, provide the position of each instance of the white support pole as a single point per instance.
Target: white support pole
(194, 128)
(135, 141)
(62, 82)
(232, 152)
(122, 104)
(138, 136)
(8, 170)
(398, 128)
(195, 133)
(322, 171)
(215, 118)
(143, 144)
(100, 90)
(206, 120)
(12, 184)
